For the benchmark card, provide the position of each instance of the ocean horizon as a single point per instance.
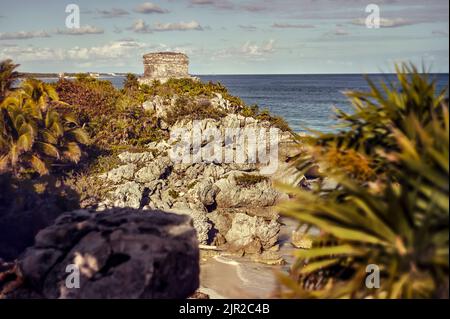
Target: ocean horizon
(305, 101)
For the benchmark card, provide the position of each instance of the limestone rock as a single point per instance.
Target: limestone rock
(232, 195)
(120, 174)
(246, 230)
(129, 194)
(205, 192)
(154, 170)
(135, 158)
(120, 253)
(201, 222)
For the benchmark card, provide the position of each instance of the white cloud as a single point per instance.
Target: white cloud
(113, 13)
(139, 26)
(248, 27)
(218, 4)
(292, 26)
(249, 50)
(179, 26)
(111, 51)
(387, 23)
(23, 35)
(340, 31)
(148, 8)
(87, 29)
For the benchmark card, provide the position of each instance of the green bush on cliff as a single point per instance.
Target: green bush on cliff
(396, 217)
(190, 87)
(189, 90)
(189, 109)
(34, 136)
(111, 116)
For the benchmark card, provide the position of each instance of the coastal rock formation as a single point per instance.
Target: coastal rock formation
(162, 66)
(120, 253)
(225, 212)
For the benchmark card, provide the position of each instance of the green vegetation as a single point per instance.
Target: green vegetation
(8, 75)
(190, 88)
(113, 118)
(189, 109)
(390, 208)
(174, 194)
(34, 136)
(249, 180)
(130, 83)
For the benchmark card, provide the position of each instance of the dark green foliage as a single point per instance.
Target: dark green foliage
(174, 194)
(131, 83)
(8, 75)
(191, 88)
(249, 180)
(27, 206)
(187, 108)
(276, 121)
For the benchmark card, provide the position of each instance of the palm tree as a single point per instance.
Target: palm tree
(39, 92)
(34, 136)
(399, 221)
(8, 76)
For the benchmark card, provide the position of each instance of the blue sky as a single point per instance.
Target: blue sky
(226, 36)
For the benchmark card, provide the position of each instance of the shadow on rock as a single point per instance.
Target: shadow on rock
(118, 253)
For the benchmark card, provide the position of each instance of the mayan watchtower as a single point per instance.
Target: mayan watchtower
(162, 66)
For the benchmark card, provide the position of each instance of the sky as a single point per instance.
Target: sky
(226, 36)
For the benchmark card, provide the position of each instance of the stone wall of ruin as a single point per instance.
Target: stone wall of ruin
(165, 65)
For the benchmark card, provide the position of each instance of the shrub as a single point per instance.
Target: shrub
(400, 222)
(187, 108)
(250, 111)
(174, 194)
(112, 118)
(133, 127)
(190, 88)
(90, 98)
(276, 121)
(248, 180)
(130, 83)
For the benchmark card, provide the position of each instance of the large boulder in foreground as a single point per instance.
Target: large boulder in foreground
(120, 253)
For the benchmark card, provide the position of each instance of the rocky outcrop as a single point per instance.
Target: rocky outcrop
(226, 209)
(150, 180)
(231, 195)
(162, 66)
(120, 253)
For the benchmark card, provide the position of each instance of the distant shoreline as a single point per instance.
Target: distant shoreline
(56, 75)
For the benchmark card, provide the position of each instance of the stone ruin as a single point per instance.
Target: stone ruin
(163, 66)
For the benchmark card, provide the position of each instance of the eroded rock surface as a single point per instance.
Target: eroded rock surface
(154, 180)
(121, 253)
